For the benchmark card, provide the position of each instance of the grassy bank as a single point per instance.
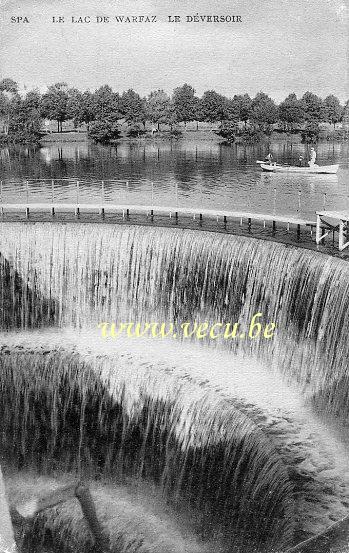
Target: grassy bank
(190, 134)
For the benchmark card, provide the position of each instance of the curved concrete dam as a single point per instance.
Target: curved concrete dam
(190, 442)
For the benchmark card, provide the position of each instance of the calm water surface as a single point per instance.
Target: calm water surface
(185, 173)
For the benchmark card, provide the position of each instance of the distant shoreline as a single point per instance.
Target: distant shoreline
(189, 135)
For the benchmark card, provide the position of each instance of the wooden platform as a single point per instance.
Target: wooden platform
(335, 221)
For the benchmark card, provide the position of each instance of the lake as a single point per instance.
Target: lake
(187, 173)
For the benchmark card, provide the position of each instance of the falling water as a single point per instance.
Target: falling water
(82, 275)
(244, 466)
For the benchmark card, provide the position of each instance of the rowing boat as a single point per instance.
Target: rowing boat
(315, 169)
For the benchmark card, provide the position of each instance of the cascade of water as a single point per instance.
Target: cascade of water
(61, 410)
(224, 456)
(81, 275)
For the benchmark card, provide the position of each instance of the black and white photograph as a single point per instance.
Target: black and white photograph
(174, 276)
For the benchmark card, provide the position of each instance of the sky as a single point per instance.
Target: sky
(279, 47)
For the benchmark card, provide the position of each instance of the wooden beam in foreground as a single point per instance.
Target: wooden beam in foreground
(7, 540)
(27, 511)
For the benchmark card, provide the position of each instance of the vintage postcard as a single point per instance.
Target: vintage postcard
(174, 276)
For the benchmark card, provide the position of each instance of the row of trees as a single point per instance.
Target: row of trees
(103, 109)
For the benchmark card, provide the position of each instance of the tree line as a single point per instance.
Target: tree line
(102, 110)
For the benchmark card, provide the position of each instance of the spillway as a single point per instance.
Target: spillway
(235, 434)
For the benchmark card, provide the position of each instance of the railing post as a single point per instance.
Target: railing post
(77, 210)
(102, 199)
(27, 190)
(52, 197)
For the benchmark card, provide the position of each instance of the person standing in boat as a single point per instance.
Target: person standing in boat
(312, 157)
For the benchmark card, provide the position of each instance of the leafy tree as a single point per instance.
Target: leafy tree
(160, 109)
(185, 103)
(32, 100)
(133, 107)
(313, 107)
(242, 106)
(105, 105)
(25, 118)
(170, 117)
(5, 111)
(87, 111)
(228, 130)
(104, 131)
(32, 109)
(74, 105)
(199, 114)
(8, 94)
(135, 130)
(231, 111)
(3, 104)
(101, 111)
(81, 107)
(55, 104)
(250, 135)
(311, 132)
(213, 106)
(9, 85)
(345, 117)
(158, 106)
(264, 112)
(333, 110)
(291, 112)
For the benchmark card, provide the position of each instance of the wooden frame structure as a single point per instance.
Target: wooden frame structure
(25, 513)
(335, 221)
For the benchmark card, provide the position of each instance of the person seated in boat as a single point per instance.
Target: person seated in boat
(301, 161)
(312, 157)
(269, 159)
